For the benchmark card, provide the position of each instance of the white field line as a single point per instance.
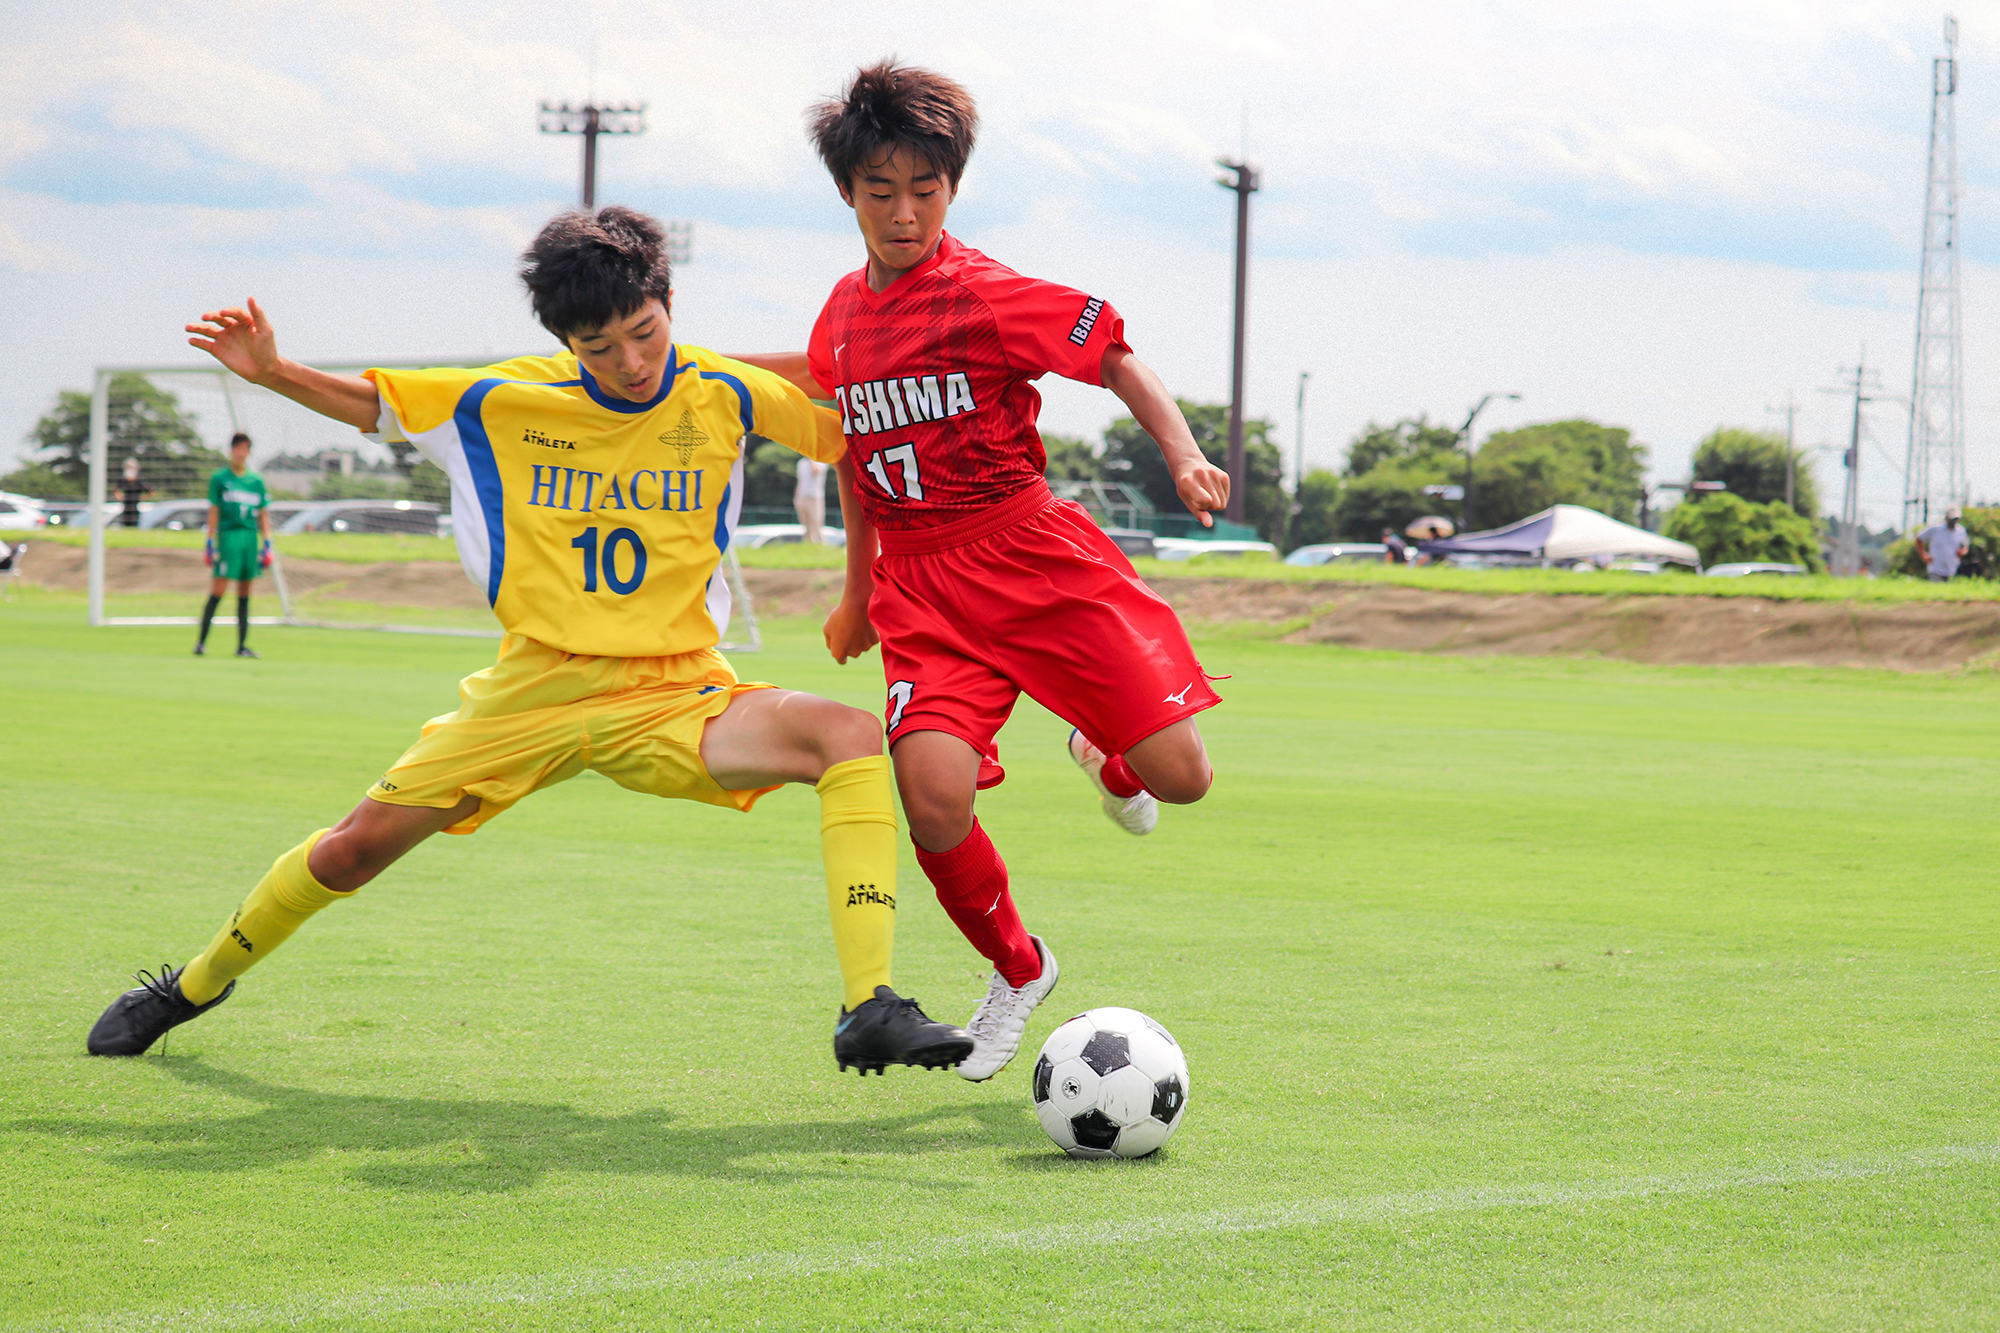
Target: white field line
(1082, 1237)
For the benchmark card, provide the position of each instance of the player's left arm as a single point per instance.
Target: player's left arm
(1201, 485)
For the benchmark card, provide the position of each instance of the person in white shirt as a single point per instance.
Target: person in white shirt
(809, 499)
(1944, 545)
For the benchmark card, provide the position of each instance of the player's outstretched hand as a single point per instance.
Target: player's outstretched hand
(240, 339)
(1202, 487)
(848, 631)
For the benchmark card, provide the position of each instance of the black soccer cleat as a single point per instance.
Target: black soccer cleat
(201, 649)
(247, 651)
(890, 1030)
(143, 1015)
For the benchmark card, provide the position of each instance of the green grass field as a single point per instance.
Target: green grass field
(1518, 994)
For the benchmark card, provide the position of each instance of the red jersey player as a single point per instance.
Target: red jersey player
(986, 585)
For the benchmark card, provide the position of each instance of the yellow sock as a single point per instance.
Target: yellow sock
(279, 905)
(857, 835)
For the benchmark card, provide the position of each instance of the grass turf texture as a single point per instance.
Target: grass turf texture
(1517, 993)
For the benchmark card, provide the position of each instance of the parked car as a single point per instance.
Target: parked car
(21, 512)
(1136, 543)
(419, 517)
(753, 535)
(1737, 569)
(174, 515)
(67, 513)
(1186, 548)
(1339, 553)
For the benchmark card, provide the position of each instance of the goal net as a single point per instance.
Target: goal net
(362, 533)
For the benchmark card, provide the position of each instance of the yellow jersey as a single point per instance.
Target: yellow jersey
(593, 524)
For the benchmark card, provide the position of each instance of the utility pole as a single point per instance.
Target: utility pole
(1246, 184)
(1847, 551)
(1465, 438)
(1936, 464)
(591, 119)
(1299, 435)
(1791, 411)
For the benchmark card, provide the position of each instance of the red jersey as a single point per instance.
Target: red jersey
(933, 379)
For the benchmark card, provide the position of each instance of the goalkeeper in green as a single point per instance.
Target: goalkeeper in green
(239, 540)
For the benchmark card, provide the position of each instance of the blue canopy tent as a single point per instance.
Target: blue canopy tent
(1562, 535)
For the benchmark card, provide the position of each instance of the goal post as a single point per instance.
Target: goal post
(157, 433)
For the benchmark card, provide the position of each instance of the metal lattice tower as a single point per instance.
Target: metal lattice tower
(1934, 475)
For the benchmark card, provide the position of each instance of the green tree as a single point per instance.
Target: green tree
(142, 421)
(1387, 470)
(1522, 472)
(1982, 556)
(1413, 441)
(1071, 458)
(771, 475)
(1752, 464)
(1726, 528)
(1388, 496)
(1131, 456)
(360, 486)
(44, 482)
(1318, 514)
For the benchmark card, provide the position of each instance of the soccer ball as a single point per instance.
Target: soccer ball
(1110, 1083)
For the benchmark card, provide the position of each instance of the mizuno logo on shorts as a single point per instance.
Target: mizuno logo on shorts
(1180, 698)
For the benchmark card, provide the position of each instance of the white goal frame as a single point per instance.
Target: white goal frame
(750, 640)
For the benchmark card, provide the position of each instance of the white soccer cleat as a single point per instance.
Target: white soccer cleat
(1135, 814)
(1001, 1018)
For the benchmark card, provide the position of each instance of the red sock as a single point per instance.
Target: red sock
(971, 883)
(1119, 779)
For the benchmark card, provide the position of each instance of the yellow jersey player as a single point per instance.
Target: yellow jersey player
(594, 493)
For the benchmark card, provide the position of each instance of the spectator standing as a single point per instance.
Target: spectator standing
(130, 491)
(1944, 545)
(809, 499)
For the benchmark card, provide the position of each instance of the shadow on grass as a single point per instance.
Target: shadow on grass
(439, 1145)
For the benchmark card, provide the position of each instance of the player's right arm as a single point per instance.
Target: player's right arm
(243, 340)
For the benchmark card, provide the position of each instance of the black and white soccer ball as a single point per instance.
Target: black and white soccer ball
(1111, 1083)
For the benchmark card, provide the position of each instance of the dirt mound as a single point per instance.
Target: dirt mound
(1680, 630)
(1686, 630)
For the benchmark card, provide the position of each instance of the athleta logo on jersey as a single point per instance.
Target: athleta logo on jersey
(572, 488)
(902, 400)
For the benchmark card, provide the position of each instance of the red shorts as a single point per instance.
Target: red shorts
(1028, 596)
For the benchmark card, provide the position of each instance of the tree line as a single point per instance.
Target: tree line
(1391, 474)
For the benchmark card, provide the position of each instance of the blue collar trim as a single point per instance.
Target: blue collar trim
(675, 368)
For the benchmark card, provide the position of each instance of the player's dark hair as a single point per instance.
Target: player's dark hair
(587, 269)
(889, 106)
(240, 437)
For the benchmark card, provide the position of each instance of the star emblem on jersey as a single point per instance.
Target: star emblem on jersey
(686, 436)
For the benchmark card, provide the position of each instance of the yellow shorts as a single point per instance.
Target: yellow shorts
(539, 716)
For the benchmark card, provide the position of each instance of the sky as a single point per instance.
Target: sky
(1662, 216)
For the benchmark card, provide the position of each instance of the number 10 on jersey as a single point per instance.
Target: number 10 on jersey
(906, 456)
(587, 543)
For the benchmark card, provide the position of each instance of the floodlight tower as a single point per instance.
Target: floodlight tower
(591, 119)
(1934, 474)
